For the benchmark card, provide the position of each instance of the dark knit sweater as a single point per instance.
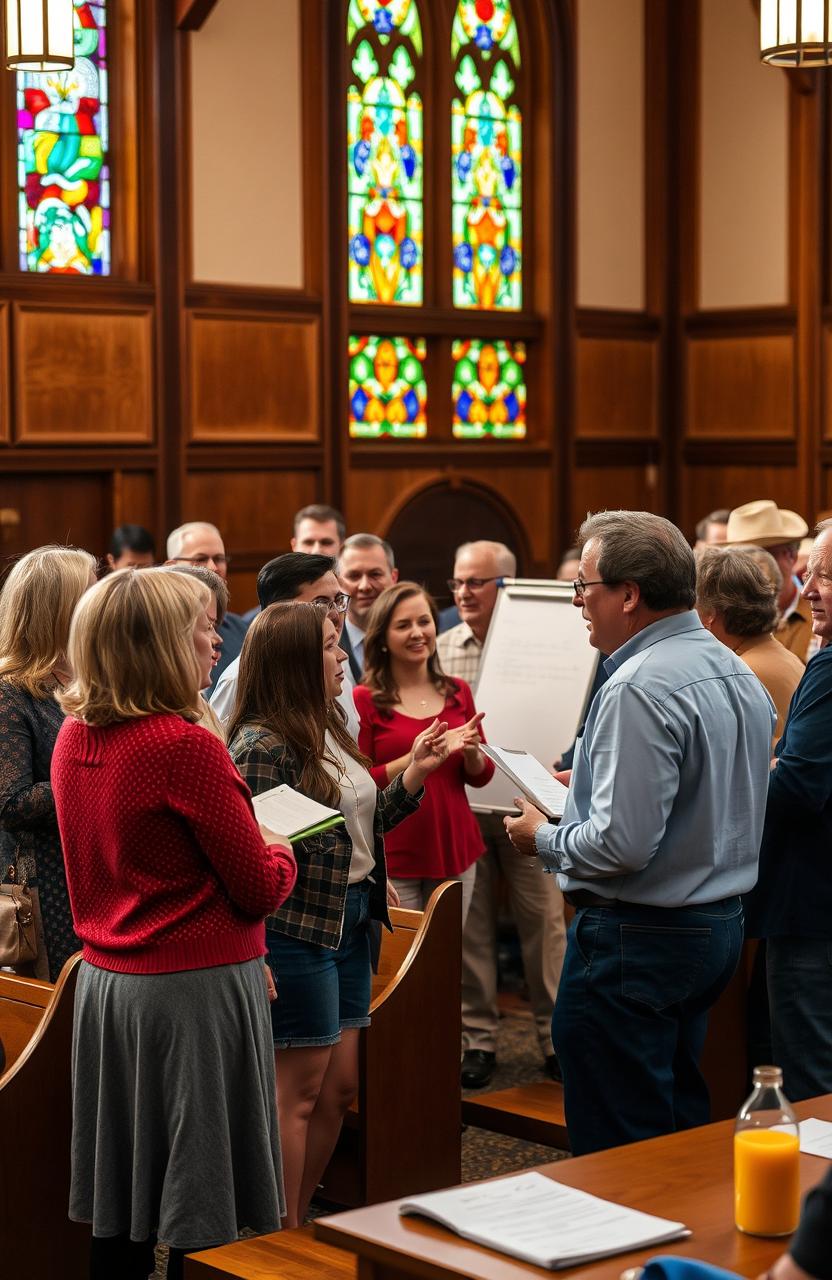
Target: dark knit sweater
(165, 863)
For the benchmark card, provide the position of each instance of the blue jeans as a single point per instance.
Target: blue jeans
(321, 992)
(799, 972)
(631, 1017)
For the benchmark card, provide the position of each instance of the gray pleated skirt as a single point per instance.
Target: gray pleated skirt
(174, 1126)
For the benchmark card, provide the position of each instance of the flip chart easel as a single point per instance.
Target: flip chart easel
(535, 678)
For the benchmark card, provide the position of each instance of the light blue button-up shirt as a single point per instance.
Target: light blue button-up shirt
(669, 782)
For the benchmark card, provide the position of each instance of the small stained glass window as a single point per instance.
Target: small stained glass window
(486, 158)
(384, 154)
(388, 392)
(489, 390)
(63, 174)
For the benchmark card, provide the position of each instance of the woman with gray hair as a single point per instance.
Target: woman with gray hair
(736, 598)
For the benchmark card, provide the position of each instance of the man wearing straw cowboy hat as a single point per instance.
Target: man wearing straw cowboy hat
(764, 524)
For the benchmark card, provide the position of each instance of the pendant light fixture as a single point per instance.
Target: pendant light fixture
(39, 35)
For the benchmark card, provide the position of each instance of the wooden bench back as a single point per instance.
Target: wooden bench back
(35, 1129)
(395, 947)
(22, 1005)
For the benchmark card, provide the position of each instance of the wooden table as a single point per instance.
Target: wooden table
(687, 1177)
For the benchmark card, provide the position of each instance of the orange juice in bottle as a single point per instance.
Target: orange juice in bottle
(767, 1159)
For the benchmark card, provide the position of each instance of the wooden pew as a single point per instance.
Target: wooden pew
(38, 1240)
(405, 1129)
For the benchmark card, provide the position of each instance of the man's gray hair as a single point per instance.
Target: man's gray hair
(734, 585)
(176, 539)
(637, 546)
(363, 542)
(506, 560)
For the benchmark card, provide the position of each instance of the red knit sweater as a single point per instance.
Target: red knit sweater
(165, 863)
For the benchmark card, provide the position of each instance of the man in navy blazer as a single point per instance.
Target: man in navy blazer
(791, 905)
(366, 567)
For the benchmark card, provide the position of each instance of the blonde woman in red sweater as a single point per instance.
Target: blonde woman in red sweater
(174, 1124)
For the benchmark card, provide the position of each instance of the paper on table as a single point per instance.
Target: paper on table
(542, 1221)
(531, 777)
(816, 1138)
(287, 812)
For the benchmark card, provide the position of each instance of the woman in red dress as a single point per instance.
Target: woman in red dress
(404, 690)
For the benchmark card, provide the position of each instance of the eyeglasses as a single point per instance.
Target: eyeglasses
(221, 561)
(579, 586)
(339, 603)
(473, 584)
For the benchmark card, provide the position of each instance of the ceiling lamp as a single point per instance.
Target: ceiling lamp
(39, 35)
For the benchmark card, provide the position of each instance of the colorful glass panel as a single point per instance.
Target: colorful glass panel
(486, 24)
(386, 17)
(388, 392)
(489, 390)
(63, 175)
(486, 162)
(384, 186)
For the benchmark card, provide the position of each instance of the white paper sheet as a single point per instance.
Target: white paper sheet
(816, 1138)
(286, 812)
(542, 1221)
(530, 777)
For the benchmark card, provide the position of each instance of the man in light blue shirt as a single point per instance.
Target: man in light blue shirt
(659, 837)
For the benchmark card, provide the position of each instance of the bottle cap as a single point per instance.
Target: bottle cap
(768, 1076)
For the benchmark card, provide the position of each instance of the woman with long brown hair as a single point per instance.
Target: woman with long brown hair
(404, 689)
(288, 728)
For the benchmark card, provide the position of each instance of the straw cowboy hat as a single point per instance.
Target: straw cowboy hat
(765, 524)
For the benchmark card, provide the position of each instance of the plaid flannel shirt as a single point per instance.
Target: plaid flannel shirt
(314, 910)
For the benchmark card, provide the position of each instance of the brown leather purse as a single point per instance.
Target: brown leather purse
(18, 936)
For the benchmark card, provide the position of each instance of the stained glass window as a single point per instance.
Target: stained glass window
(388, 393)
(62, 147)
(486, 158)
(384, 153)
(489, 390)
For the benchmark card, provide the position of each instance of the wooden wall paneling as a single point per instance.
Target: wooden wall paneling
(134, 500)
(827, 379)
(253, 510)
(631, 486)
(376, 498)
(742, 385)
(165, 238)
(5, 401)
(808, 230)
(705, 488)
(124, 51)
(254, 377)
(83, 375)
(617, 387)
(57, 508)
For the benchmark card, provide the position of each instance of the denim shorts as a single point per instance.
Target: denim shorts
(320, 992)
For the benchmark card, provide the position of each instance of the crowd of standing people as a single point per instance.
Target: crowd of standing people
(227, 968)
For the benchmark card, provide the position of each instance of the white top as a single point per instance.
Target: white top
(222, 699)
(358, 805)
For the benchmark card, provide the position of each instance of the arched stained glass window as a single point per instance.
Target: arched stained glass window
(486, 159)
(63, 174)
(384, 153)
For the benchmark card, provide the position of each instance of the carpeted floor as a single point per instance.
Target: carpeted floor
(484, 1155)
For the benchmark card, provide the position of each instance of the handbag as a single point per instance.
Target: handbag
(18, 936)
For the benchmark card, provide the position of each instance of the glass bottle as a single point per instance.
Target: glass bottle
(767, 1159)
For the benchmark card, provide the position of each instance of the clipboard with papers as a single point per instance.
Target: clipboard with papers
(531, 778)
